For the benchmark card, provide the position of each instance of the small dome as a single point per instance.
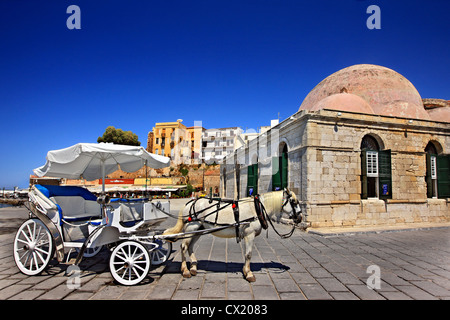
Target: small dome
(386, 91)
(440, 114)
(344, 102)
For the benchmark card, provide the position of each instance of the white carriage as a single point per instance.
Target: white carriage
(67, 218)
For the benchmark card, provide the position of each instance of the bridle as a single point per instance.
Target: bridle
(293, 215)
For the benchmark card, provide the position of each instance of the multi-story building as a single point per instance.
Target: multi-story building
(194, 140)
(217, 143)
(165, 136)
(175, 140)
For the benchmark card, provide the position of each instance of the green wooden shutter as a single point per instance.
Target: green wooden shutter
(276, 174)
(384, 174)
(364, 174)
(284, 170)
(443, 175)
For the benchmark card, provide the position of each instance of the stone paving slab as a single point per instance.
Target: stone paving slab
(414, 264)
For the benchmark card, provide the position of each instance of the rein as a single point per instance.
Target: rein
(267, 218)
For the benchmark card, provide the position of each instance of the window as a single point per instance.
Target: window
(372, 164)
(437, 173)
(156, 150)
(376, 173)
(157, 141)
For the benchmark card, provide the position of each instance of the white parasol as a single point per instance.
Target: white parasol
(92, 161)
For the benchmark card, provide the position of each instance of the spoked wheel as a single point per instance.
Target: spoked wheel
(91, 252)
(161, 253)
(33, 247)
(129, 263)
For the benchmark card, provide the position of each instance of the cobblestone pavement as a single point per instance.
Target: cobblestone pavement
(413, 265)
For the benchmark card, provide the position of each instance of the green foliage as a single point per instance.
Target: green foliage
(118, 136)
(184, 171)
(188, 191)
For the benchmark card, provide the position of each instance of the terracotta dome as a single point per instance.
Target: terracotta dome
(344, 102)
(386, 91)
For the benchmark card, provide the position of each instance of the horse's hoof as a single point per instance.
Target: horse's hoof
(193, 272)
(250, 278)
(186, 274)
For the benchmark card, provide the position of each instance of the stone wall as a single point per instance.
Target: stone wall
(324, 167)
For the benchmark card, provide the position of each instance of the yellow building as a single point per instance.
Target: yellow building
(174, 140)
(194, 138)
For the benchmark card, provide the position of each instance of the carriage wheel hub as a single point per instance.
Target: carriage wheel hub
(129, 264)
(30, 246)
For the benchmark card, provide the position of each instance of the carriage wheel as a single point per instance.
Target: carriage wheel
(33, 247)
(129, 263)
(91, 252)
(161, 253)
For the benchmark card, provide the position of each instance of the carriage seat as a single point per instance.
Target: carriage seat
(76, 208)
(131, 211)
(73, 203)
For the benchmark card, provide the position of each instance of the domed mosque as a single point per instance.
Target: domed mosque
(366, 88)
(363, 150)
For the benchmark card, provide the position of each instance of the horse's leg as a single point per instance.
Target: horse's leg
(193, 269)
(248, 240)
(187, 247)
(184, 248)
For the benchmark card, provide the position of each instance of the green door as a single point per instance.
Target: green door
(280, 171)
(284, 169)
(252, 180)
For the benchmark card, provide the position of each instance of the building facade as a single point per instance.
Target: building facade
(173, 139)
(362, 150)
(218, 143)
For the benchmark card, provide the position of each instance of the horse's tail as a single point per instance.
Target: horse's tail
(178, 226)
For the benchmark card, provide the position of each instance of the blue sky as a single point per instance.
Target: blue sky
(225, 63)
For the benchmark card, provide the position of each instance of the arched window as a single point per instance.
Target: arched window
(376, 175)
(280, 170)
(369, 143)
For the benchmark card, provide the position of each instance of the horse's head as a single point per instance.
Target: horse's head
(291, 206)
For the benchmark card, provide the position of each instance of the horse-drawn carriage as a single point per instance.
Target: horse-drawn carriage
(66, 218)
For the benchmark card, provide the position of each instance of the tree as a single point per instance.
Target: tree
(118, 136)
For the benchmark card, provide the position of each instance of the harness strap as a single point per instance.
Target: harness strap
(283, 236)
(259, 213)
(235, 207)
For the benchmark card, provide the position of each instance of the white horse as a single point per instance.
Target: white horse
(204, 213)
